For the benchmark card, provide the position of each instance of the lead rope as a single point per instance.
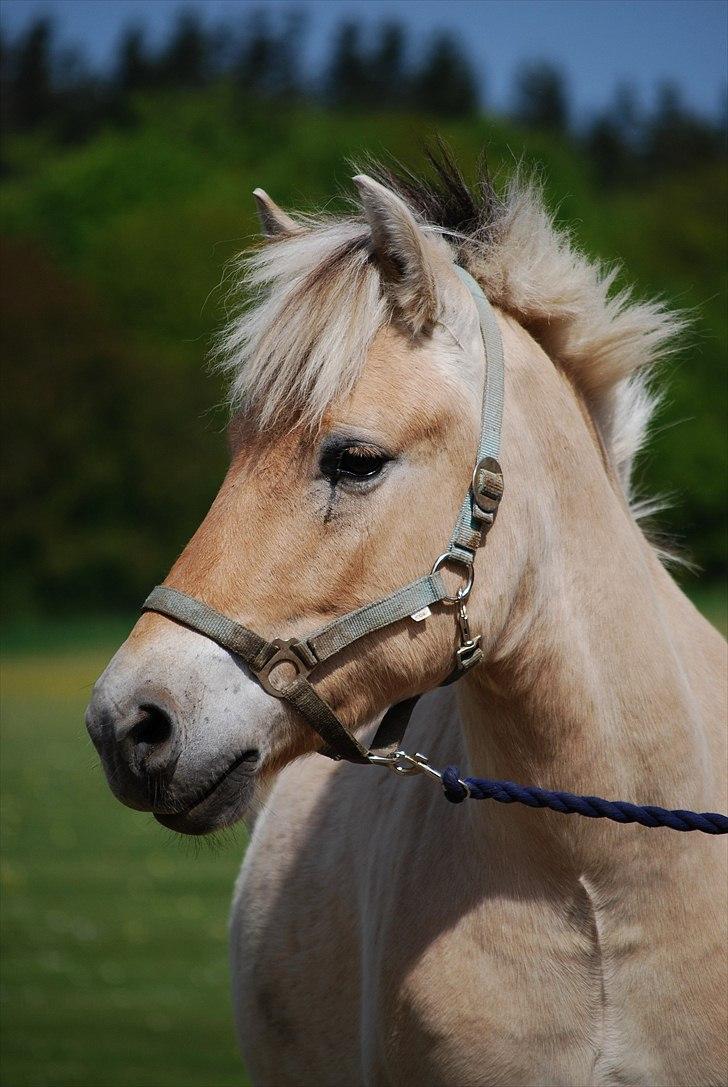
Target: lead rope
(457, 789)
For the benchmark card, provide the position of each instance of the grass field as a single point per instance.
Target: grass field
(114, 957)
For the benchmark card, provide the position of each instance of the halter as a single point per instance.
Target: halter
(413, 601)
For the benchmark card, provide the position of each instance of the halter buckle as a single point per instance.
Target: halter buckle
(288, 651)
(487, 490)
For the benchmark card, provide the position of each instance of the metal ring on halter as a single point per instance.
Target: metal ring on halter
(464, 591)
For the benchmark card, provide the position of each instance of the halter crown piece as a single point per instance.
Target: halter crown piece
(413, 601)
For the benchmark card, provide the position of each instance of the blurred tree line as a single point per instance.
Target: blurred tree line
(262, 58)
(44, 87)
(123, 197)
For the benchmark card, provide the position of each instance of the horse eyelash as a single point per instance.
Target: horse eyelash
(363, 451)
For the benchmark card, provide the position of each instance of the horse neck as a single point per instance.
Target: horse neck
(583, 689)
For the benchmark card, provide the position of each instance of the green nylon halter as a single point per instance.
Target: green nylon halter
(305, 654)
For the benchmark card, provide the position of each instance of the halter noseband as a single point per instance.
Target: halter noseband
(411, 602)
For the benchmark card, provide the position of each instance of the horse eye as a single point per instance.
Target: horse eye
(360, 463)
(355, 462)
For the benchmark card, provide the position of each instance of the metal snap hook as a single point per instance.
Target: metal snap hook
(403, 764)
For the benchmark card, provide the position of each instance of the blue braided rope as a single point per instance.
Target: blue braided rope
(507, 792)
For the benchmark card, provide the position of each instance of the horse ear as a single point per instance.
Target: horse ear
(403, 254)
(273, 219)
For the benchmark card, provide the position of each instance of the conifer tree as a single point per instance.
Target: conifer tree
(256, 60)
(389, 77)
(675, 138)
(347, 81)
(445, 83)
(30, 88)
(541, 99)
(133, 67)
(184, 62)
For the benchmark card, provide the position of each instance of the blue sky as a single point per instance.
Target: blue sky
(597, 42)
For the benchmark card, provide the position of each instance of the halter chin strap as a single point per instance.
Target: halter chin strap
(271, 661)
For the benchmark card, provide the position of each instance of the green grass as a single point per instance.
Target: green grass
(114, 952)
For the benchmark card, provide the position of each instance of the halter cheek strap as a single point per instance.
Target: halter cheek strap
(480, 505)
(271, 661)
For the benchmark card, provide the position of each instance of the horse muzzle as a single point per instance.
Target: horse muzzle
(180, 729)
(138, 742)
(140, 747)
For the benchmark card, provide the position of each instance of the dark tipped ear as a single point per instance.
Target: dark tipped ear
(403, 254)
(273, 219)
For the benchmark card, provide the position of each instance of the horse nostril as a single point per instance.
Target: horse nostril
(152, 727)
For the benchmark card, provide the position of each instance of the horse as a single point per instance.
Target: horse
(378, 934)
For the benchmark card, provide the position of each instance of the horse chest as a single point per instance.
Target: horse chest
(499, 997)
(362, 959)
(364, 998)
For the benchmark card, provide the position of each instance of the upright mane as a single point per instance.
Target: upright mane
(314, 303)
